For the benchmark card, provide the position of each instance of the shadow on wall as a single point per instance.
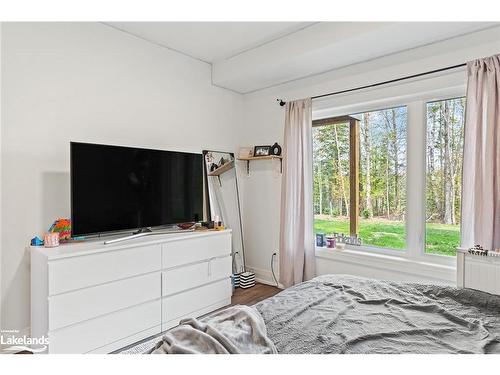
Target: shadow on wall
(55, 197)
(18, 288)
(55, 203)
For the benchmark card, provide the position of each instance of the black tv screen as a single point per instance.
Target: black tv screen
(116, 188)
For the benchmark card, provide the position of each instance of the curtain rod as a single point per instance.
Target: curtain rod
(282, 103)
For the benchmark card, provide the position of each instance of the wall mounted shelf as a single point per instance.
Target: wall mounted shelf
(270, 157)
(223, 168)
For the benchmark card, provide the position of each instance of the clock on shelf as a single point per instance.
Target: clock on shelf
(276, 149)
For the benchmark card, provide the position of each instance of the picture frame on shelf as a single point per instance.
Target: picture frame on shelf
(260, 151)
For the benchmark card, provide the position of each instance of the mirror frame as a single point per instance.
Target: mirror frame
(207, 194)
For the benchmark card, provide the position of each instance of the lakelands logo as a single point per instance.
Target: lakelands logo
(14, 343)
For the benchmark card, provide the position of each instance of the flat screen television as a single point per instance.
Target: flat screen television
(116, 188)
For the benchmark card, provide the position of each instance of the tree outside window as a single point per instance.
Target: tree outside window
(381, 174)
(445, 135)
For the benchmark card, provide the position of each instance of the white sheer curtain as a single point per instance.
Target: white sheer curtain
(297, 260)
(481, 166)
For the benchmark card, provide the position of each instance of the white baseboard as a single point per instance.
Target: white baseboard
(264, 276)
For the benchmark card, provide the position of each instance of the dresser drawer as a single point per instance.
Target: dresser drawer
(192, 250)
(221, 268)
(92, 334)
(93, 269)
(179, 306)
(74, 307)
(186, 277)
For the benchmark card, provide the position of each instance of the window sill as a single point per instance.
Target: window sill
(424, 258)
(393, 263)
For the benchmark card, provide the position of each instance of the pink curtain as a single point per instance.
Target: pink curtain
(297, 260)
(481, 166)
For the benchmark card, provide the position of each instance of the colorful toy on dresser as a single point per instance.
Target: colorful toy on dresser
(59, 231)
(63, 227)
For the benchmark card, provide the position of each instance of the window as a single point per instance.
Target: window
(360, 176)
(331, 177)
(393, 176)
(445, 135)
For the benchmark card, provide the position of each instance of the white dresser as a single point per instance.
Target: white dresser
(478, 272)
(94, 298)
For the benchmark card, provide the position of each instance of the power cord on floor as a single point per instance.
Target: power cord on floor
(272, 269)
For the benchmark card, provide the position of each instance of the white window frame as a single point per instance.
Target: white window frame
(414, 95)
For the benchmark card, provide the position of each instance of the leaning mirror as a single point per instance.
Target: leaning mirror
(224, 201)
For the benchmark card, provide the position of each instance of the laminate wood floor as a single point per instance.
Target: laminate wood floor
(253, 295)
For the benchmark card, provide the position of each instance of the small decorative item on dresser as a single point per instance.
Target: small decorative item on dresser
(36, 241)
(208, 224)
(262, 151)
(63, 228)
(276, 149)
(185, 226)
(51, 239)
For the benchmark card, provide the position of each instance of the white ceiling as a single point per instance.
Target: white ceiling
(210, 41)
(248, 56)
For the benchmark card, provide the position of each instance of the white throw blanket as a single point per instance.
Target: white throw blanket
(235, 330)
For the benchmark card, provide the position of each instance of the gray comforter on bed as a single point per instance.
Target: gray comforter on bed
(235, 330)
(347, 314)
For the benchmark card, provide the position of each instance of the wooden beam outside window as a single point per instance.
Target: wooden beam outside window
(332, 121)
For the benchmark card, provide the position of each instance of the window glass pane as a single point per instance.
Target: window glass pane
(331, 178)
(445, 132)
(382, 196)
(383, 178)
(381, 172)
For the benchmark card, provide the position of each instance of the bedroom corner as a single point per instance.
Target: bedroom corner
(291, 183)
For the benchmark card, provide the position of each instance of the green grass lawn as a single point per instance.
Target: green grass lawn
(440, 238)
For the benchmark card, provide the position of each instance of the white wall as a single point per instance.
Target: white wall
(264, 124)
(1, 118)
(88, 82)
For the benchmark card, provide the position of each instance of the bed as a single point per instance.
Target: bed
(348, 314)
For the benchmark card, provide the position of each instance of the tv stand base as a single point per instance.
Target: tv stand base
(146, 232)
